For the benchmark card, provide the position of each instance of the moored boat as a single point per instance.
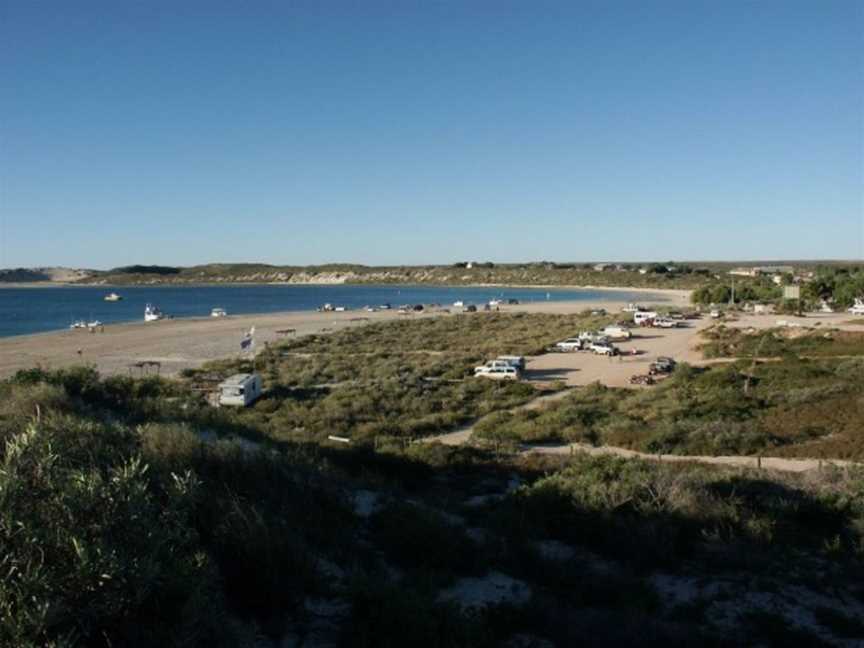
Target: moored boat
(152, 313)
(113, 297)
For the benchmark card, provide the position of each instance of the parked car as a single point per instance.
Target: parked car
(570, 344)
(470, 308)
(598, 311)
(662, 365)
(665, 322)
(418, 307)
(497, 370)
(716, 314)
(601, 348)
(513, 361)
(632, 308)
(512, 302)
(617, 333)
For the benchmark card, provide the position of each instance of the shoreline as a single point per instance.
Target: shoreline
(190, 342)
(319, 284)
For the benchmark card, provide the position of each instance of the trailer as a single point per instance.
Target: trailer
(240, 390)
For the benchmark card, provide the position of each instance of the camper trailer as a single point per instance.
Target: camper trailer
(240, 390)
(644, 318)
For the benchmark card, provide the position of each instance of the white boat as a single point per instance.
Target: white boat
(218, 312)
(459, 303)
(113, 297)
(78, 324)
(152, 313)
(495, 302)
(94, 324)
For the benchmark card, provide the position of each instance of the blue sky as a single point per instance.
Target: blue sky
(429, 132)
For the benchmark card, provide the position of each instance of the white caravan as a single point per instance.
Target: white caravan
(240, 390)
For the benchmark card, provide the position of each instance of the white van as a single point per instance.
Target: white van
(240, 390)
(644, 318)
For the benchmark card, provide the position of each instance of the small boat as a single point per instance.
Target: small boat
(218, 312)
(113, 297)
(78, 324)
(94, 324)
(152, 313)
(459, 303)
(495, 302)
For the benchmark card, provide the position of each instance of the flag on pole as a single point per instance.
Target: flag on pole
(248, 341)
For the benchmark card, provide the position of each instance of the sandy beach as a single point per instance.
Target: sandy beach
(187, 343)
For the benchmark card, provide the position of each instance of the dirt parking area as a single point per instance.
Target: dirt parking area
(584, 367)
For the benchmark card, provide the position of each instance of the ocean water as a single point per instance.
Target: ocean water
(38, 310)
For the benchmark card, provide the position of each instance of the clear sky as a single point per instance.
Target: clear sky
(303, 132)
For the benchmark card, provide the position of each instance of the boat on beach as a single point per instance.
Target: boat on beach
(152, 313)
(78, 324)
(218, 312)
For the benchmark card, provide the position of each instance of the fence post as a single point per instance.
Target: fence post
(759, 462)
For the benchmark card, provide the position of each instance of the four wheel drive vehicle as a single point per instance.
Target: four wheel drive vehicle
(662, 365)
(471, 308)
(505, 372)
(512, 302)
(665, 322)
(604, 349)
(514, 361)
(492, 364)
(598, 311)
(617, 333)
(570, 344)
(715, 314)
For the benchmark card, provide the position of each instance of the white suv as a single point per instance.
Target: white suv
(496, 371)
(570, 344)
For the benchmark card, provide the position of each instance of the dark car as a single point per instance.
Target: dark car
(418, 307)
(662, 365)
(471, 308)
(512, 302)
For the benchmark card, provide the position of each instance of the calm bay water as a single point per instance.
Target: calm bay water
(37, 310)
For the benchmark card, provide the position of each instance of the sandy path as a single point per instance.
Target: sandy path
(767, 463)
(188, 343)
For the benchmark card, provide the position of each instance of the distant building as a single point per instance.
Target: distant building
(756, 271)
